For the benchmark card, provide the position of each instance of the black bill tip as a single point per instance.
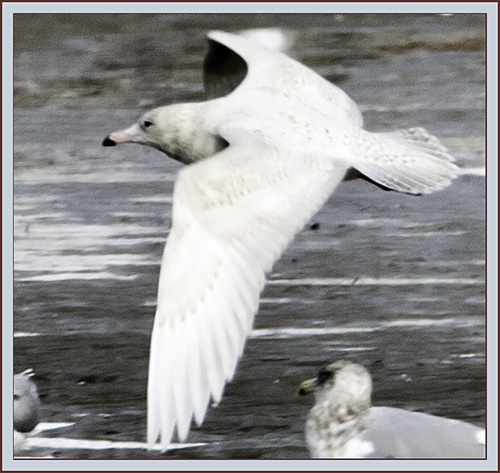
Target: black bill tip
(108, 142)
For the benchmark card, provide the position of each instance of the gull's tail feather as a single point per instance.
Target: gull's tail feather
(410, 161)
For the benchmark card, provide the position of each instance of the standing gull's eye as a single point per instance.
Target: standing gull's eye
(323, 376)
(147, 123)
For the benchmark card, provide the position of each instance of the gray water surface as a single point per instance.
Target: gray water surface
(393, 281)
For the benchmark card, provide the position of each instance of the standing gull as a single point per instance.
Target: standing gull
(26, 407)
(342, 423)
(265, 151)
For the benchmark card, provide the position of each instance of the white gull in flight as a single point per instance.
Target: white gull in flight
(264, 153)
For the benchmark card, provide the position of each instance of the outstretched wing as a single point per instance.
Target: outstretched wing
(233, 215)
(234, 62)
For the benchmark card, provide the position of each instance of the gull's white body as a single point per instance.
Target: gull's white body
(264, 156)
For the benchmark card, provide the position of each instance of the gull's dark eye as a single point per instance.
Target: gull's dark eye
(323, 376)
(147, 123)
(16, 397)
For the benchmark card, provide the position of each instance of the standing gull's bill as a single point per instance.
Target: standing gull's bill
(264, 153)
(343, 424)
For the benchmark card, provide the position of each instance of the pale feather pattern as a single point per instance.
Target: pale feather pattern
(263, 157)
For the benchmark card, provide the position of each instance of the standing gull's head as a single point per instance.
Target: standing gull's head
(341, 383)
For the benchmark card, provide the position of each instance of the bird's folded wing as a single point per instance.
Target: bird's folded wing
(233, 215)
(397, 433)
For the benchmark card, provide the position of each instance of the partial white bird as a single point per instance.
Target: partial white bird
(264, 154)
(276, 39)
(26, 407)
(343, 424)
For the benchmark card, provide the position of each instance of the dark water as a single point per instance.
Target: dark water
(389, 280)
